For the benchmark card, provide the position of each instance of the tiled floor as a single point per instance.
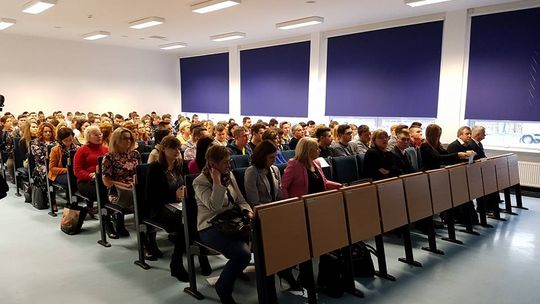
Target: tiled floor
(40, 264)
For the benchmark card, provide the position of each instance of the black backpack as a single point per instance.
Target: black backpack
(361, 260)
(330, 280)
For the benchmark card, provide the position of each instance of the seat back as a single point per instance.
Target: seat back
(362, 209)
(474, 179)
(239, 176)
(288, 154)
(459, 184)
(418, 196)
(392, 203)
(360, 165)
(344, 169)
(101, 189)
(71, 178)
(283, 231)
(327, 224)
(140, 203)
(189, 210)
(239, 161)
(441, 194)
(17, 153)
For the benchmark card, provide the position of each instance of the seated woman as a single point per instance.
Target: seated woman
(216, 191)
(80, 138)
(165, 185)
(28, 133)
(59, 156)
(85, 162)
(38, 149)
(303, 175)
(119, 168)
(262, 178)
(154, 154)
(195, 165)
(378, 162)
(433, 154)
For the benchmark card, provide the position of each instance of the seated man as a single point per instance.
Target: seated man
(344, 146)
(240, 144)
(416, 136)
(401, 159)
(393, 140)
(324, 138)
(461, 144)
(364, 136)
(257, 131)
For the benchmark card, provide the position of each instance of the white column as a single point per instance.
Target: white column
(452, 88)
(234, 82)
(317, 89)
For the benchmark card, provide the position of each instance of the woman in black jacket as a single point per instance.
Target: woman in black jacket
(433, 154)
(379, 163)
(165, 186)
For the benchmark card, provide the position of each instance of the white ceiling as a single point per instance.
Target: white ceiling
(70, 19)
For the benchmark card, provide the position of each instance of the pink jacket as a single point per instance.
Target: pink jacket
(295, 179)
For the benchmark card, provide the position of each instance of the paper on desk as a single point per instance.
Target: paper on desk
(323, 162)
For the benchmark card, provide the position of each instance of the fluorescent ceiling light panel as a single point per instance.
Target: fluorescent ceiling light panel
(213, 5)
(228, 36)
(146, 22)
(299, 23)
(96, 35)
(5, 23)
(38, 6)
(415, 3)
(172, 46)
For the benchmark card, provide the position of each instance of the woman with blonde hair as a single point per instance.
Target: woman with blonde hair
(28, 133)
(119, 168)
(303, 174)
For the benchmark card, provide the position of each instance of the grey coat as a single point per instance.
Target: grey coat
(257, 186)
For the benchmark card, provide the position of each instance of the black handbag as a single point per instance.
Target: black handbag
(232, 223)
(39, 199)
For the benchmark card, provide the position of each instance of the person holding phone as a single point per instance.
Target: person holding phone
(216, 191)
(165, 188)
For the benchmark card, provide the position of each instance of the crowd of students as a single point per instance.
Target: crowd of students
(208, 147)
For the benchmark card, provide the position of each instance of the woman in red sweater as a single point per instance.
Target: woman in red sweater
(86, 160)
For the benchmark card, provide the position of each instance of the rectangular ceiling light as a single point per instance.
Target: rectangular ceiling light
(415, 3)
(146, 22)
(228, 36)
(5, 23)
(172, 46)
(96, 35)
(213, 5)
(38, 6)
(299, 23)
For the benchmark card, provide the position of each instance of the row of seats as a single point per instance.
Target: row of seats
(297, 230)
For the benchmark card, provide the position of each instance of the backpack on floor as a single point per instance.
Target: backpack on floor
(361, 260)
(330, 279)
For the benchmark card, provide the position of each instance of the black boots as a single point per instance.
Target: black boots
(109, 227)
(120, 227)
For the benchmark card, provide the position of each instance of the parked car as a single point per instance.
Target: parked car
(531, 138)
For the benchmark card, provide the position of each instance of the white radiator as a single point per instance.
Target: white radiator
(529, 174)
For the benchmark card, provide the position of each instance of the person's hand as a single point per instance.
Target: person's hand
(180, 192)
(463, 155)
(92, 175)
(384, 171)
(215, 174)
(249, 214)
(470, 152)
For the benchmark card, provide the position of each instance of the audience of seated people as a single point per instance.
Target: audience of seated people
(215, 188)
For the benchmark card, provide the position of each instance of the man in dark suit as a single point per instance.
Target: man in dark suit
(462, 142)
(475, 144)
(490, 201)
(401, 161)
(461, 145)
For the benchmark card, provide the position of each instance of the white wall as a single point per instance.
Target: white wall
(46, 74)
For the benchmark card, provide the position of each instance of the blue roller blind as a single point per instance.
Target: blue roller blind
(385, 73)
(275, 80)
(503, 79)
(205, 83)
